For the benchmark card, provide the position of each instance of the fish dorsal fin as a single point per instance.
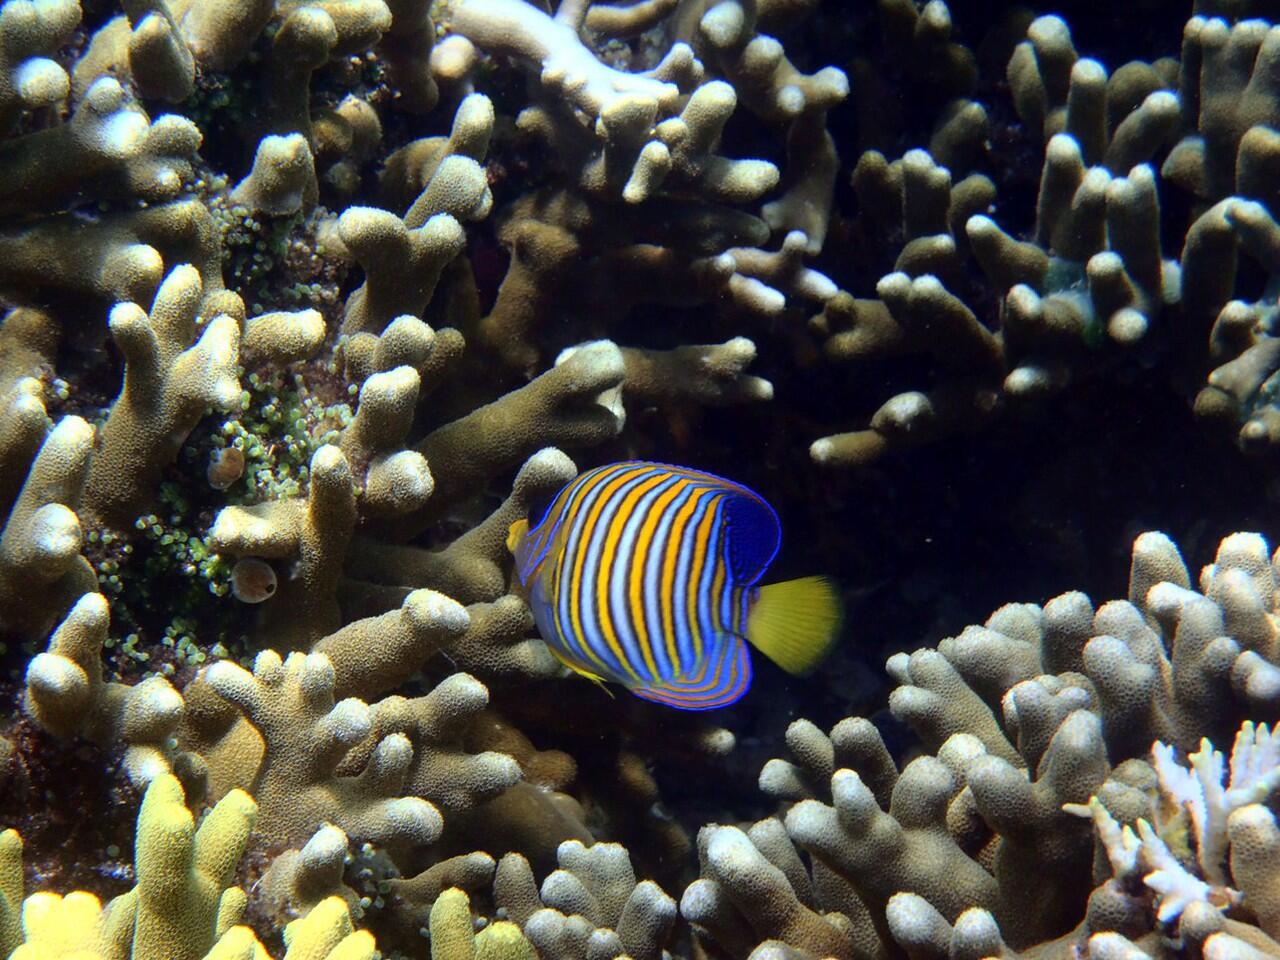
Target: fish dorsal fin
(752, 533)
(721, 677)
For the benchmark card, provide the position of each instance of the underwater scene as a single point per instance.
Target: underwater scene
(647, 479)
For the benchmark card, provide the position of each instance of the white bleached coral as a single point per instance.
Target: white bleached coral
(1196, 799)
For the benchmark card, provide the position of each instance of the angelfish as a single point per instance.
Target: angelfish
(647, 575)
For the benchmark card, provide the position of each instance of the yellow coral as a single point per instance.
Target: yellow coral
(326, 933)
(238, 943)
(60, 928)
(183, 872)
(10, 890)
(503, 941)
(183, 903)
(453, 936)
(183, 907)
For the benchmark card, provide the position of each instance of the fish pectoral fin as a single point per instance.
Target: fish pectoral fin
(721, 677)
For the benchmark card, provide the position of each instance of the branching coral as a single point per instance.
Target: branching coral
(415, 258)
(632, 143)
(591, 906)
(67, 696)
(183, 903)
(1086, 285)
(635, 150)
(309, 533)
(108, 148)
(42, 535)
(1036, 718)
(312, 533)
(168, 384)
(747, 896)
(1216, 815)
(305, 735)
(184, 907)
(32, 32)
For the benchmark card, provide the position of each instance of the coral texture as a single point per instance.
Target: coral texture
(307, 302)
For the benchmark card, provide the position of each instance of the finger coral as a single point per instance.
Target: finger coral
(42, 535)
(985, 839)
(183, 902)
(307, 303)
(168, 383)
(67, 696)
(1087, 283)
(185, 907)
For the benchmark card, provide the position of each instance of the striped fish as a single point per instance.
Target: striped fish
(646, 575)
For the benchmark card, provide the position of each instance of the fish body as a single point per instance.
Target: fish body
(647, 575)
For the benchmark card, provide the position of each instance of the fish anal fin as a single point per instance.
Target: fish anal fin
(796, 623)
(721, 678)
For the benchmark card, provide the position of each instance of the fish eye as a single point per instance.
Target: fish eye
(539, 504)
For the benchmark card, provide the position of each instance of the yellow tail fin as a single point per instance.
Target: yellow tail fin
(795, 623)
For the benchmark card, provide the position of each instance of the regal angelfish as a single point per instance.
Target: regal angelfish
(647, 575)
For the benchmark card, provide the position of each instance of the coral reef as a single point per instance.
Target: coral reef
(1089, 289)
(1036, 721)
(307, 302)
(185, 907)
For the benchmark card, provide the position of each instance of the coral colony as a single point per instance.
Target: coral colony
(310, 301)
